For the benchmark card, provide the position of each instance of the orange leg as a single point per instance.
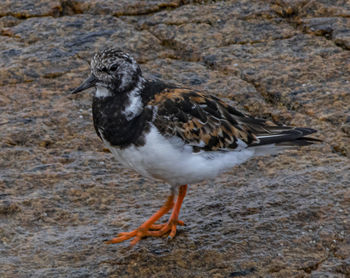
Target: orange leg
(174, 218)
(144, 229)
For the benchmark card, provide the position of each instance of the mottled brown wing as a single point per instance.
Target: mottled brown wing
(203, 122)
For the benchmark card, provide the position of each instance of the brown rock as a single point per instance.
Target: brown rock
(61, 194)
(27, 8)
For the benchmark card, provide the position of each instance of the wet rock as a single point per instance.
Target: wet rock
(27, 8)
(119, 8)
(8, 21)
(8, 207)
(346, 128)
(301, 8)
(62, 194)
(322, 18)
(68, 50)
(332, 28)
(223, 23)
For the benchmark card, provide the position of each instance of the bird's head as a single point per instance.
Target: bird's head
(112, 69)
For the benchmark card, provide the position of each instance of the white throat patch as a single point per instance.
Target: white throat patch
(102, 92)
(135, 106)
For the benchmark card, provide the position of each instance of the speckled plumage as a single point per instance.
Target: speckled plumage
(126, 107)
(175, 134)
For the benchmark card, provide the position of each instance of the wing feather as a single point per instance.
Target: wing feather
(207, 123)
(201, 121)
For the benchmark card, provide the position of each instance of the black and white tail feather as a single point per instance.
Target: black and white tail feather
(277, 139)
(286, 136)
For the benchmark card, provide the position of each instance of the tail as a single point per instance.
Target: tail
(278, 139)
(284, 136)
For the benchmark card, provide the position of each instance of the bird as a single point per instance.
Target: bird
(173, 133)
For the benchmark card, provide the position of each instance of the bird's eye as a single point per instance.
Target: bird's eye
(114, 67)
(104, 69)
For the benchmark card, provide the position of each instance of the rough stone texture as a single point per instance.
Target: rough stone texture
(61, 194)
(27, 8)
(118, 8)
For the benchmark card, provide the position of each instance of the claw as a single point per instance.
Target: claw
(150, 229)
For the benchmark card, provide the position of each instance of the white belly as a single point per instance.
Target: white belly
(172, 162)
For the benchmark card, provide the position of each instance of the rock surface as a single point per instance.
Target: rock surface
(61, 195)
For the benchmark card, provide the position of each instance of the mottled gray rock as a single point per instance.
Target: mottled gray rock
(59, 45)
(27, 8)
(118, 8)
(61, 194)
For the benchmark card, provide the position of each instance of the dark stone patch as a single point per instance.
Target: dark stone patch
(242, 273)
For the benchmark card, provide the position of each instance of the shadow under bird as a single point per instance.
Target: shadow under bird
(175, 134)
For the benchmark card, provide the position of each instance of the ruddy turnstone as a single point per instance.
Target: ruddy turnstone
(175, 134)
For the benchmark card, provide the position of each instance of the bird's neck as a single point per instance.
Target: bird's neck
(134, 105)
(118, 117)
(127, 104)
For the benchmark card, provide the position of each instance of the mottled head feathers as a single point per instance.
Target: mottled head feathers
(115, 70)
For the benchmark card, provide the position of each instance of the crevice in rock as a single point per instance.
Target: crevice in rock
(314, 266)
(292, 17)
(165, 6)
(257, 41)
(24, 16)
(273, 99)
(68, 9)
(6, 33)
(190, 54)
(182, 51)
(54, 12)
(339, 151)
(151, 10)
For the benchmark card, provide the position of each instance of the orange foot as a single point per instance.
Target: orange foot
(161, 229)
(150, 229)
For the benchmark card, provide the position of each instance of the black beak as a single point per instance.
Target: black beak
(88, 83)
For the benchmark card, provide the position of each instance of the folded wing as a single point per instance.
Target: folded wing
(207, 123)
